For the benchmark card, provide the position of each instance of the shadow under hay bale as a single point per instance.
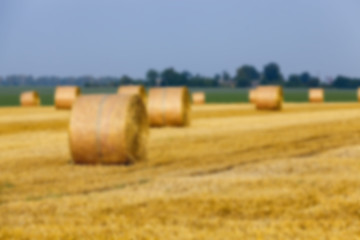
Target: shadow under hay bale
(65, 96)
(169, 106)
(108, 129)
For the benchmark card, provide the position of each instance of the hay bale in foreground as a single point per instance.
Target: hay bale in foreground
(198, 98)
(269, 98)
(29, 99)
(252, 95)
(65, 96)
(133, 90)
(316, 95)
(108, 129)
(169, 106)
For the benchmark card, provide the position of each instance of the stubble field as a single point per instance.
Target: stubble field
(235, 173)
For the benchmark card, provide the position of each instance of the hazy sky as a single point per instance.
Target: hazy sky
(104, 37)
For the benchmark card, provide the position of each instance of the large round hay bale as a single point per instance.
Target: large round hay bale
(252, 95)
(65, 96)
(108, 129)
(29, 99)
(316, 95)
(133, 90)
(169, 106)
(269, 98)
(199, 98)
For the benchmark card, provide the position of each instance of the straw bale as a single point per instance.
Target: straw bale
(169, 106)
(108, 129)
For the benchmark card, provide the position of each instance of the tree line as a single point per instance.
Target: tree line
(245, 76)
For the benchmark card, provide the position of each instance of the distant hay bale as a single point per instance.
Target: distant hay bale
(269, 97)
(29, 99)
(252, 95)
(169, 106)
(108, 129)
(316, 95)
(133, 89)
(65, 96)
(198, 98)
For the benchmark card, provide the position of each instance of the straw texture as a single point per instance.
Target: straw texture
(29, 99)
(108, 129)
(65, 96)
(133, 90)
(316, 95)
(198, 98)
(169, 106)
(269, 98)
(252, 95)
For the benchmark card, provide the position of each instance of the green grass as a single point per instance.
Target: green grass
(9, 96)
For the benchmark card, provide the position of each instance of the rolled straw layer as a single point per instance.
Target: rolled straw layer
(29, 98)
(316, 95)
(198, 98)
(252, 95)
(269, 98)
(133, 90)
(66, 96)
(108, 129)
(169, 106)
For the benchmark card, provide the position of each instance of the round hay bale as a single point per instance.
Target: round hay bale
(316, 95)
(108, 129)
(198, 98)
(133, 90)
(252, 95)
(169, 106)
(269, 98)
(65, 96)
(29, 99)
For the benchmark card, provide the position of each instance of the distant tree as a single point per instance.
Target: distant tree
(226, 76)
(302, 80)
(126, 80)
(314, 82)
(272, 74)
(305, 78)
(294, 81)
(151, 77)
(245, 75)
(172, 78)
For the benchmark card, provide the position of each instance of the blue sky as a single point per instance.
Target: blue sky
(116, 37)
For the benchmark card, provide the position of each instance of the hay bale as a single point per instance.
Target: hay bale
(29, 99)
(133, 90)
(108, 129)
(252, 95)
(169, 106)
(198, 98)
(65, 96)
(269, 98)
(316, 95)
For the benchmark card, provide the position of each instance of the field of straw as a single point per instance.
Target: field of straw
(235, 173)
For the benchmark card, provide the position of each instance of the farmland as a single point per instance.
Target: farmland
(9, 96)
(235, 173)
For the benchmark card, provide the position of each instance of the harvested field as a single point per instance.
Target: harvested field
(234, 173)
